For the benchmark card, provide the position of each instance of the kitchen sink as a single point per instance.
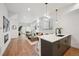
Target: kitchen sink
(60, 35)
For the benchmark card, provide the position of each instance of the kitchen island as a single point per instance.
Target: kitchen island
(52, 45)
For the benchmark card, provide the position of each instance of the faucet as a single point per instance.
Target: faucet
(58, 31)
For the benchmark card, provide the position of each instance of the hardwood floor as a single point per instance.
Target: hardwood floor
(72, 52)
(19, 47)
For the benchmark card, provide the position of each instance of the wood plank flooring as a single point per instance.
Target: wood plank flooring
(72, 52)
(19, 47)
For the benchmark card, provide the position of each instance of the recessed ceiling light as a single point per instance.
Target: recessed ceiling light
(28, 9)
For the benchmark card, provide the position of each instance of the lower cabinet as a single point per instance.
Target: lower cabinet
(57, 48)
(46, 48)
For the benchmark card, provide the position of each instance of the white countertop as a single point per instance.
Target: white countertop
(52, 37)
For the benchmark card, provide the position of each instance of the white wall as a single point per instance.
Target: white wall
(14, 22)
(3, 12)
(70, 25)
(69, 22)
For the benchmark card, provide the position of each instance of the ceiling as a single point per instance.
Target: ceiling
(36, 9)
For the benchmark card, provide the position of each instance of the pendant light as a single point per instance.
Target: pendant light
(56, 15)
(46, 8)
(47, 17)
(57, 21)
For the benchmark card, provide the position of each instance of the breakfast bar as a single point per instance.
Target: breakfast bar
(52, 45)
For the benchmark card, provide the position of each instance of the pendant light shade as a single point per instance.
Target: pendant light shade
(56, 14)
(46, 8)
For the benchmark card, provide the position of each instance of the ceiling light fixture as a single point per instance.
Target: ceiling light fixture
(46, 17)
(56, 14)
(28, 9)
(46, 8)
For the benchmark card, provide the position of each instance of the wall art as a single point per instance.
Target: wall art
(6, 24)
